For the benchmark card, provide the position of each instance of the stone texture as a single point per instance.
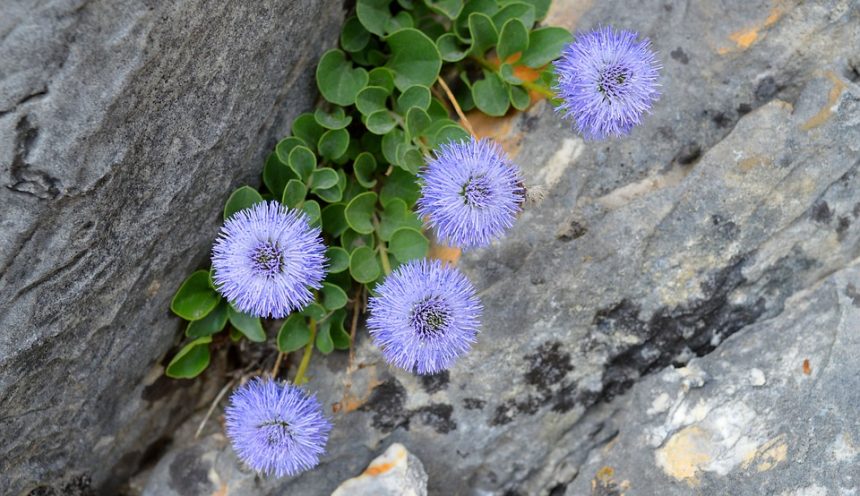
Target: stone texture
(393, 473)
(124, 126)
(719, 220)
(772, 411)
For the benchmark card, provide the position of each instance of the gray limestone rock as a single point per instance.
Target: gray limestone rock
(124, 126)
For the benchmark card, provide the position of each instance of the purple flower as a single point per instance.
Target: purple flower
(606, 80)
(267, 260)
(276, 428)
(425, 316)
(471, 193)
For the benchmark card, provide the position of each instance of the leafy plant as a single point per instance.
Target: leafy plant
(404, 72)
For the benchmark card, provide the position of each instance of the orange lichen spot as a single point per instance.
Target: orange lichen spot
(375, 470)
(605, 473)
(444, 253)
(222, 491)
(751, 163)
(744, 39)
(807, 369)
(827, 111)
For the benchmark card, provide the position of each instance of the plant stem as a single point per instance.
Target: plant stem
(306, 357)
(277, 366)
(456, 106)
(356, 308)
(383, 253)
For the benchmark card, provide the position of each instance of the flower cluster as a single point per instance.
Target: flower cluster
(270, 259)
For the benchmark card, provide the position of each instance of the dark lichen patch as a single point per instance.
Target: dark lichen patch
(386, 403)
(548, 366)
(436, 382)
(821, 212)
(505, 413)
(689, 154)
(744, 108)
(438, 416)
(856, 210)
(679, 55)
(77, 486)
(571, 230)
(473, 403)
(725, 228)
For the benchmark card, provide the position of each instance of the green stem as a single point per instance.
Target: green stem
(383, 253)
(306, 357)
(529, 85)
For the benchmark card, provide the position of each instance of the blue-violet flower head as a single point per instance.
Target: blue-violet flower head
(425, 316)
(471, 193)
(606, 81)
(276, 428)
(268, 260)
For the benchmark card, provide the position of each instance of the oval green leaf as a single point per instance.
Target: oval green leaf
(414, 96)
(354, 37)
(195, 297)
(241, 199)
(337, 80)
(336, 119)
(338, 259)
(514, 38)
(212, 323)
(333, 219)
(363, 265)
(333, 297)
(248, 325)
(408, 244)
(371, 99)
(333, 143)
(294, 334)
(359, 212)
(380, 122)
(491, 95)
(545, 45)
(365, 168)
(324, 178)
(303, 162)
(414, 58)
(191, 360)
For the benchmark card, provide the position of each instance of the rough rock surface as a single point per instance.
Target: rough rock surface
(124, 125)
(720, 216)
(397, 472)
(773, 410)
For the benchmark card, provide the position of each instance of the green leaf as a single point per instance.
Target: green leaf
(408, 244)
(338, 259)
(305, 128)
(414, 96)
(333, 297)
(359, 212)
(195, 297)
(337, 119)
(436, 110)
(491, 95)
(450, 48)
(395, 216)
(191, 360)
(507, 73)
(401, 20)
(371, 99)
(324, 178)
(303, 162)
(545, 45)
(333, 143)
(248, 325)
(483, 32)
(516, 10)
(293, 334)
(414, 58)
(365, 168)
(210, 324)
(417, 121)
(373, 14)
(380, 122)
(519, 97)
(314, 311)
(337, 80)
(312, 208)
(330, 195)
(400, 184)
(276, 174)
(294, 193)
(541, 7)
(448, 134)
(513, 38)
(461, 25)
(350, 240)
(389, 144)
(410, 158)
(448, 8)
(285, 146)
(323, 341)
(363, 265)
(381, 77)
(354, 37)
(241, 199)
(334, 220)
(235, 336)
(339, 336)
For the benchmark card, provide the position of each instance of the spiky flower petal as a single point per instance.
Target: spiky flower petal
(606, 81)
(276, 428)
(425, 316)
(268, 260)
(471, 193)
